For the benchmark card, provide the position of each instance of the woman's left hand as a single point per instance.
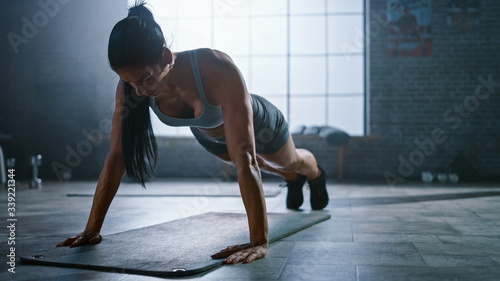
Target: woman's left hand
(245, 252)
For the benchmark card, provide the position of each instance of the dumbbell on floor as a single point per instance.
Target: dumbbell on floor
(36, 161)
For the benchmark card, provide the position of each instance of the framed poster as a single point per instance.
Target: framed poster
(409, 28)
(463, 15)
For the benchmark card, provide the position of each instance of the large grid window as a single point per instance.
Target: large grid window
(306, 57)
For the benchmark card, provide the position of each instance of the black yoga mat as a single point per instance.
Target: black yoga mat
(178, 248)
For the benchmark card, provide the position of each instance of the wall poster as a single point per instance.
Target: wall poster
(463, 15)
(409, 28)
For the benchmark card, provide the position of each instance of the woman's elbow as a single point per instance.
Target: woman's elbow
(246, 163)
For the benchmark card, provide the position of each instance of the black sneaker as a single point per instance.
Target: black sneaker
(295, 198)
(319, 195)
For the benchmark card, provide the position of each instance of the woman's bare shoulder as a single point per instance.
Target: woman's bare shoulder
(214, 57)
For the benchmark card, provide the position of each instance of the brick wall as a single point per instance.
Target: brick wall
(412, 97)
(59, 84)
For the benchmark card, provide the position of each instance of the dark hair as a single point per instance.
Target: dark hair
(137, 41)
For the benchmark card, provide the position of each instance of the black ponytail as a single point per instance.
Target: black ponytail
(139, 147)
(137, 41)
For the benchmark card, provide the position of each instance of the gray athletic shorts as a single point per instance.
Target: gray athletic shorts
(270, 130)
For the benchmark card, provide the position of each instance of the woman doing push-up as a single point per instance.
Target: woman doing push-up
(202, 89)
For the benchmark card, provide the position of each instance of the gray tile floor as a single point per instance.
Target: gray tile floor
(377, 232)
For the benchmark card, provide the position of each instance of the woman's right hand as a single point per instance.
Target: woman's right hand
(88, 236)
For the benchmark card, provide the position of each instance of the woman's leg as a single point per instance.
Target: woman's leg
(291, 160)
(295, 166)
(304, 166)
(288, 176)
(286, 162)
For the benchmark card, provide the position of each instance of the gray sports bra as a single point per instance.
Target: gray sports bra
(211, 116)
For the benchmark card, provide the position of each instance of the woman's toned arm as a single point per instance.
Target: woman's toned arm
(108, 183)
(230, 91)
